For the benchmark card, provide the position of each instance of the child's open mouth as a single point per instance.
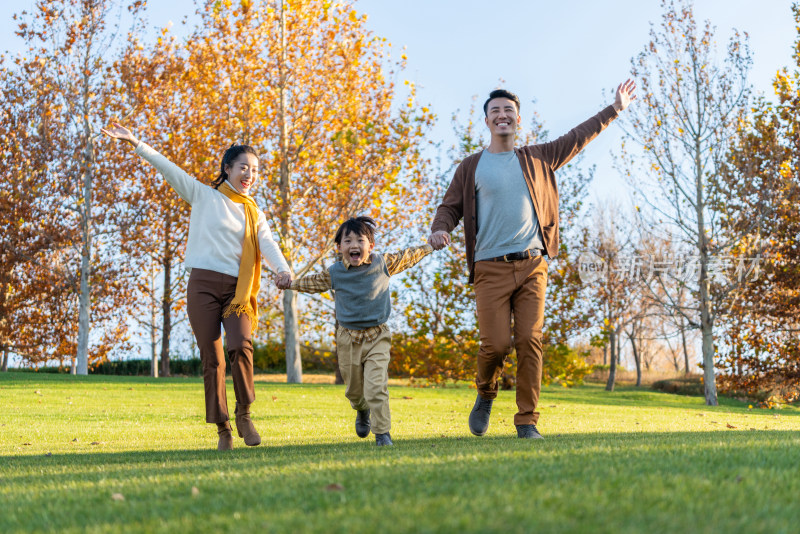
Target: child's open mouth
(355, 257)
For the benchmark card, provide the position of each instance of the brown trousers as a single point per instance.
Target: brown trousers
(208, 293)
(503, 290)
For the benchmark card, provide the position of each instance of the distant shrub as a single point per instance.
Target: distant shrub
(690, 385)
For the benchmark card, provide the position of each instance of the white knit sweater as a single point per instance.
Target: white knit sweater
(216, 226)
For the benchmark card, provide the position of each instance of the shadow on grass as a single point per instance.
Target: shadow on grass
(419, 484)
(310, 454)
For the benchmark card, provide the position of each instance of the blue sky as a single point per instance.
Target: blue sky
(566, 55)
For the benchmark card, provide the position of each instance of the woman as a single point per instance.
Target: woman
(228, 234)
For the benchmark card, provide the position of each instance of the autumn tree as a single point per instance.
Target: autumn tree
(612, 272)
(691, 105)
(68, 46)
(762, 352)
(154, 92)
(307, 84)
(29, 216)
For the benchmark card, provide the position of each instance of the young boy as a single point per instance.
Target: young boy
(360, 281)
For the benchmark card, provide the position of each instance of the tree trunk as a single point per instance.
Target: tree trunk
(709, 378)
(166, 313)
(294, 366)
(605, 354)
(153, 314)
(706, 322)
(85, 301)
(685, 350)
(153, 354)
(5, 360)
(612, 371)
(636, 359)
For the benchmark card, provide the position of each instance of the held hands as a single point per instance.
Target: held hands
(118, 131)
(624, 95)
(439, 240)
(284, 280)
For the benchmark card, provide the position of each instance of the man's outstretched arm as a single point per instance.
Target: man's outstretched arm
(560, 151)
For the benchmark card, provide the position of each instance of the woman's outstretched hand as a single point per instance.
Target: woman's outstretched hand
(118, 131)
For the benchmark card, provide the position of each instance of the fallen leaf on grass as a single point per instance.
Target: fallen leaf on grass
(729, 425)
(274, 398)
(117, 497)
(407, 398)
(195, 491)
(38, 392)
(738, 478)
(552, 406)
(76, 439)
(25, 444)
(334, 487)
(96, 443)
(49, 454)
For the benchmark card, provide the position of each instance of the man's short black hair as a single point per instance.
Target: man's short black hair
(356, 225)
(500, 93)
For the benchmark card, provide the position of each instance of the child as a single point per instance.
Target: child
(362, 300)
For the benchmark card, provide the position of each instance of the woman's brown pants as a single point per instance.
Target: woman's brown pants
(208, 294)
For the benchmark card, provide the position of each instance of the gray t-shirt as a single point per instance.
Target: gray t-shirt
(507, 221)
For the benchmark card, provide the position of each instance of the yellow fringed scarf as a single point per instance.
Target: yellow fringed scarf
(249, 282)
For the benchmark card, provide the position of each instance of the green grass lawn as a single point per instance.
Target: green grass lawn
(628, 461)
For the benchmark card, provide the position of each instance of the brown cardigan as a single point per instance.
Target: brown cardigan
(539, 163)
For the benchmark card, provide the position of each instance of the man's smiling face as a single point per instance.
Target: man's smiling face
(356, 248)
(502, 117)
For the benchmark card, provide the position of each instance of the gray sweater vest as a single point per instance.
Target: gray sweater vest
(362, 296)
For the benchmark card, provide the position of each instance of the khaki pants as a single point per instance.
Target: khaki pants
(365, 370)
(503, 290)
(208, 293)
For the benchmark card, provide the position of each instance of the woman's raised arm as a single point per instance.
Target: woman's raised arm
(185, 185)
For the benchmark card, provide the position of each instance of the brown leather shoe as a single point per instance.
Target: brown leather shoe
(245, 426)
(225, 436)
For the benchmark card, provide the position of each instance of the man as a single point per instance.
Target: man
(508, 199)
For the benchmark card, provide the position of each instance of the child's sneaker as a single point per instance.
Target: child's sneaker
(362, 423)
(383, 439)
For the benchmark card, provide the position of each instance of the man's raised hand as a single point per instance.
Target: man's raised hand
(625, 95)
(284, 280)
(118, 131)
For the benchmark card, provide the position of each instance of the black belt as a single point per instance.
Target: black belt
(516, 256)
